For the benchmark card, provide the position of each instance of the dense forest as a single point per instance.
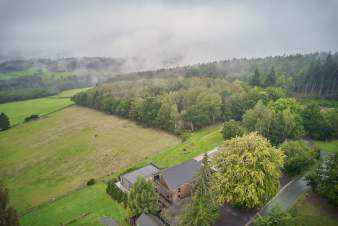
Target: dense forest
(307, 76)
(177, 104)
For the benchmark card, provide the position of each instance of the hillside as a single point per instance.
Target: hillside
(62, 152)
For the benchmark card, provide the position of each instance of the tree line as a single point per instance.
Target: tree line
(176, 105)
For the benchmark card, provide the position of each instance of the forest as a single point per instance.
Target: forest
(307, 76)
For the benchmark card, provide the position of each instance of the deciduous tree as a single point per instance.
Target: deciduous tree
(247, 171)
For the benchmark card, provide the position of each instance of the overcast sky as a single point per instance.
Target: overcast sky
(187, 31)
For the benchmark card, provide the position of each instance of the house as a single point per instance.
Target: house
(127, 180)
(175, 183)
(148, 220)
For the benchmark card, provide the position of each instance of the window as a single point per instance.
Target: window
(179, 189)
(179, 196)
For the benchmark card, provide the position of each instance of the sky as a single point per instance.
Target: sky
(166, 32)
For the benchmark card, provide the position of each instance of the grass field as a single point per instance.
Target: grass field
(47, 158)
(311, 210)
(328, 146)
(77, 202)
(91, 200)
(17, 111)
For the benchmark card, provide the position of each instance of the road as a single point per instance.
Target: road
(288, 195)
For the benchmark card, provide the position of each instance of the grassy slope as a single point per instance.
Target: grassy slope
(92, 200)
(328, 146)
(44, 159)
(198, 143)
(17, 111)
(311, 211)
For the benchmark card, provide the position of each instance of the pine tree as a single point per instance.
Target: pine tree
(202, 211)
(271, 78)
(4, 122)
(255, 80)
(142, 197)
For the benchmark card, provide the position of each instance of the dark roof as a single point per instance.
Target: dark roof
(108, 221)
(148, 220)
(181, 174)
(146, 171)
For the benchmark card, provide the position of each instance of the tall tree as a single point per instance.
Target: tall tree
(142, 197)
(247, 171)
(271, 78)
(4, 122)
(255, 79)
(202, 211)
(8, 215)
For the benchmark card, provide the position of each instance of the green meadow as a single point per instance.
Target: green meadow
(17, 111)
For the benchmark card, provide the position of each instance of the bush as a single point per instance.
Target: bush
(324, 180)
(31, 117)
(91, 182)
(299, 157)
(278, 217)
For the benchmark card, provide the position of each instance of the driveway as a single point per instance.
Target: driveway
(288, 195)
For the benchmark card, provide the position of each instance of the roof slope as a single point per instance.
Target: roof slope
(181, 174)
(146, 171)
(148, 220)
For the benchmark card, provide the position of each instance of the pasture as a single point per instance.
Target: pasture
(94, 199)
(45, 159)
(17, 111)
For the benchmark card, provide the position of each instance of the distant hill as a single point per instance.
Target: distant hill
(308, 75)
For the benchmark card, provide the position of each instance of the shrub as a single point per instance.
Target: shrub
(31, 117)
(91, 182)
(324, 180)
(278, 217)
(299, 157)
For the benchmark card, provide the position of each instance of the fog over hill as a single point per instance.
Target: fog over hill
(164, 33)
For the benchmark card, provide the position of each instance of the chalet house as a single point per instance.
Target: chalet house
(175, 183)
(127, 180)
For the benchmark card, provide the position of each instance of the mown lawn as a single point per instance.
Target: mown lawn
(91, 200)
(311, 210)
(44, 159)
(17, 111)
(328, 146)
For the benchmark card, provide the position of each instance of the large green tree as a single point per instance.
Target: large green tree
(232, 129)
(8, 215)
(4, 121)
(314, 122)
(299, 156)
(202, 211)
(142, 197)
(276, 122)
(247, 171)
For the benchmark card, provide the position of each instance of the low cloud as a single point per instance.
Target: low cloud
(166, 32)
